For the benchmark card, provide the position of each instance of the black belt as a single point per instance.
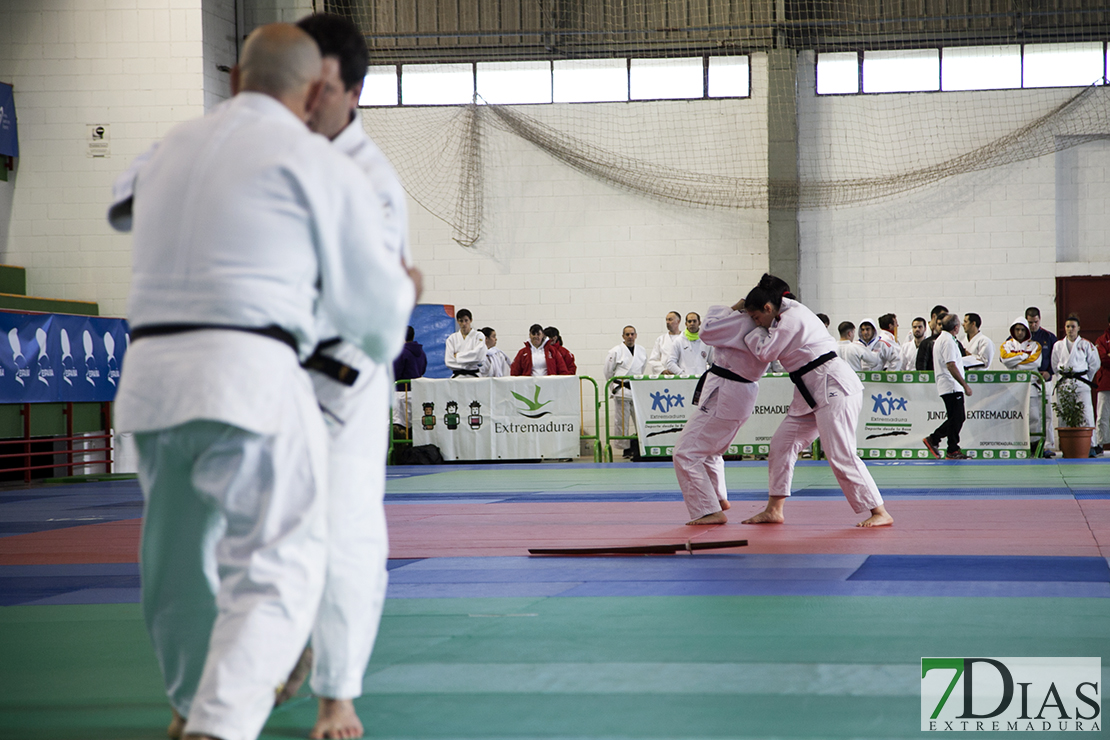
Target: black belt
(617, 384)
(338, 371)
(464, 373)
(1071, 375)
(273, 331)
(720, 372)
(331, 367)
(796, 376)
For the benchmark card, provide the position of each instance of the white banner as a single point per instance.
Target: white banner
(498, 418)
(899, 409)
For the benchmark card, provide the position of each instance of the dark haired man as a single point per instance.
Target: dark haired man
(464, 350)
(980, 349)
(909, 348)
(1047, 340)
(924, 359)
(354, 592)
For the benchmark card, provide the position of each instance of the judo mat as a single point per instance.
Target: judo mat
(814, 630)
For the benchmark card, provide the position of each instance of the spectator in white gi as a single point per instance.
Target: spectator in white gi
(241, 216)
(909, 349)
(887, 352)
(496, 363)
(464, 350)
(888, 332)
(723, 401)
(949, 379)
(661, 350)
(1076, 361)
(627, 358)
(827, 401)
(980, 349)
(858, 357)
(1102, 385)
(689, 354)
(358, 544)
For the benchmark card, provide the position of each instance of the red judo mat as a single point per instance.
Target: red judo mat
(922, 527)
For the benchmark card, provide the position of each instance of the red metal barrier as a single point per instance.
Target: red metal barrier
(68, 451)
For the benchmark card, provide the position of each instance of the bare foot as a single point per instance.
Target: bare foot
(336, 718)
(177, 726)
(879, 518)
(725, 505)
(296, 678)
(717, 517)
(767, 516)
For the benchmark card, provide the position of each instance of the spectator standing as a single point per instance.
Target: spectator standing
(538, 357)
(887, 351)
(1076, 361)
(496, 363)
(858, 357)
(924, 359)
(909, 349)
(980, 349)
(627, 358)
(1047, 340)
(1020, 352)
(689, 354)
(661, 350)
(464, 350)
(1102, 385)
(556, 338)
(409, 365)
(949, 379)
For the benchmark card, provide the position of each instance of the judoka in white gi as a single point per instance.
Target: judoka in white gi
(1076, 361)
(496, 363)
(792, 333)
(689, 354)
(239, 217)
(858, 357)
(726, 397)
(627, 358)
(357, 414)
(464, 350)
(890, 357)
(980, 349)
(661, 350)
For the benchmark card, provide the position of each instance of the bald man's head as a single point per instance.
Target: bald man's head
(282, 61)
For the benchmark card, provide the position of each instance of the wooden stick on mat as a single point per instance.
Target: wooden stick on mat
(688, 546)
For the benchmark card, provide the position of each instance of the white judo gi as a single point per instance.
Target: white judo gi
(495, 364)
(980, 353)
(1081, 358)
(660, 352)
(465, 353)
(688, 357)
(887, 350)
(797, 338)
(622, 361)
(858, 357)
(722, 409)
(238, 216)
(357, 418)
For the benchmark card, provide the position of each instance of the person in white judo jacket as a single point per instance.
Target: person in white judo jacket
(1076, 362)
(827, 401)
(627, 358)
(357, 413)
(724, 400)
(238, 218)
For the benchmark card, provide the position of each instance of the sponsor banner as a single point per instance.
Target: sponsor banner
(498, 418)
(9, 137)
(663, 404)
(1011, 695)
(49, 358)
(899, 409)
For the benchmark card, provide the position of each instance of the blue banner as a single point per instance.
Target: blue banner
(9, 138)
(433, 323)
(51, 358)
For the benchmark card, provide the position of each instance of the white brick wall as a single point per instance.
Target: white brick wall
(135, 65)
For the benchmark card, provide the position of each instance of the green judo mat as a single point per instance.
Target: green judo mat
(640, 667)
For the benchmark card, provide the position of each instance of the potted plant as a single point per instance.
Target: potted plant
(1075, 439)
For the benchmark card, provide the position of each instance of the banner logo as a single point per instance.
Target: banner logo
(532, 406)
(888, 404)
(664, 402)
(1011, 694)
(428, 420)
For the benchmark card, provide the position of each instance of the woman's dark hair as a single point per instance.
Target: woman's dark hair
(486, 330)
(771, 290)
(553, 334)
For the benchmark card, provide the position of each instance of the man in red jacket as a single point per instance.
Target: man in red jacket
(1102, 388)
(538, 357)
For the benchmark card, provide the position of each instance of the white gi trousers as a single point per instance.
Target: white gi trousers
(1103, 431)
(698, 462)
(232, 560)
(358, 546)
(624, 419)
(834, 420)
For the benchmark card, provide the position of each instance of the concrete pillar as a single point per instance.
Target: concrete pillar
(782, 165)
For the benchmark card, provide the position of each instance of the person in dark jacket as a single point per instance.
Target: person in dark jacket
(412, 362)
(553, 334)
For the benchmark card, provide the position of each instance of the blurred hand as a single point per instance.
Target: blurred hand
(417, 278)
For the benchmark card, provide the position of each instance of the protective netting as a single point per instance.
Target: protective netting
(728, 154)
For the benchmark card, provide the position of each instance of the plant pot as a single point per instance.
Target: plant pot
(1075, 441)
